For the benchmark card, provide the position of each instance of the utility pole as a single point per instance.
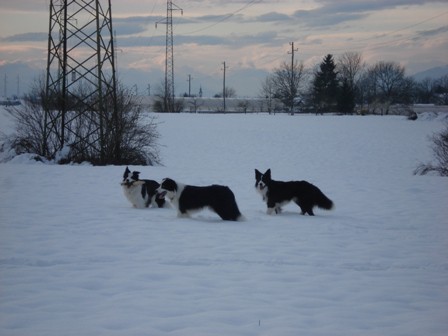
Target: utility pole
(189, 85)
(292, 54)
(292, 84)
(169, 54)
(224, 85)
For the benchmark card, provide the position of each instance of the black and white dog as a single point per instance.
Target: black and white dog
(188, 199)
(279, 193)
(141, 193)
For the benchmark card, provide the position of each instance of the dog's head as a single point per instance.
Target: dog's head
(130, 178)
(262, 181)
(168, 187)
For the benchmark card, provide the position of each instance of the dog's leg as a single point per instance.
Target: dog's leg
(271, 211)
(272, 207)
(303, 207)
(306, 208)
(183, 214)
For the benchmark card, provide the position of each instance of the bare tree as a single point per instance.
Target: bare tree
(267, 92)
(385, 84)
(441, 90)
(350, 66)
(425, 91)
(132, 139)
(162, 104)
(287, 81)
(243, 106)
(195, 103)
(440, 151)
(229, 93)
(389, 77)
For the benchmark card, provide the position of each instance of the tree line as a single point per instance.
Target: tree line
(348, 85)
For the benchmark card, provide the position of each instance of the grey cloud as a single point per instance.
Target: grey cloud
(367, 5)
(26, 37)
(138, 41)
(336, 12)
(273, 17)
(320, 18)
(25, 5)
(204, 40)
(432, 32)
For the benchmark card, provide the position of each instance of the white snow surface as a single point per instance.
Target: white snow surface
(77, 259)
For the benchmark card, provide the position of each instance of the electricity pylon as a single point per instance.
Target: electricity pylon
(169, 55)
(80, 94)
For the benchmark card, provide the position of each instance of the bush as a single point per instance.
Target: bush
(440, 151)
(125, 137)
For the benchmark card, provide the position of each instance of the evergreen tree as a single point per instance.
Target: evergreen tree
(346, 101)
(325, 86)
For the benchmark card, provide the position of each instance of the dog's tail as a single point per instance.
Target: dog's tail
(323, 201)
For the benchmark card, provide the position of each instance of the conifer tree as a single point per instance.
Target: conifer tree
(325, 86)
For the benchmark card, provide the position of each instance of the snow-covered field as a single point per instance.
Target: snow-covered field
(77, 259)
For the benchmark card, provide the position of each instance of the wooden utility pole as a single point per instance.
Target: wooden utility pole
(224, 85)
(292, 54)
(292, 85)
(189, 85)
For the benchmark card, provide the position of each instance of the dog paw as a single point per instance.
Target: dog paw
(271, 211)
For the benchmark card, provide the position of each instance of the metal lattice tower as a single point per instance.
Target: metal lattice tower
(81, 96)
(169, 55)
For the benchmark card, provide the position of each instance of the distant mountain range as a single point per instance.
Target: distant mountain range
(433, 73)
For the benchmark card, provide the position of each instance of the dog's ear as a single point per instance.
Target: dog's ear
(257, 174)
(268, 173)
(126, 172)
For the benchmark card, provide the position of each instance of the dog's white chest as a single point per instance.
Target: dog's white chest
(134, 195)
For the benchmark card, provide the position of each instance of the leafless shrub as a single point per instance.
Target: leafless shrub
(126, 137)
(440, 151)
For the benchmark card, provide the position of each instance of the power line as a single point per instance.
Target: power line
(383, 44)
(404, 28)
(359, 43)
(226, 17)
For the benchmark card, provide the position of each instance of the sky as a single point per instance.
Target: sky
(253, 37)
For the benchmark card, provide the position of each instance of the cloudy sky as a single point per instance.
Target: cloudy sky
(252, 37)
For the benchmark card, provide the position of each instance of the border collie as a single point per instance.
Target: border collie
(141, 193)
(187, 199)
(279, 193)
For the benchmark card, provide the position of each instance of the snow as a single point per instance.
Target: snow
(77, 259)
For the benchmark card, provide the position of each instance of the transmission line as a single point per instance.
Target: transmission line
(226, 17)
